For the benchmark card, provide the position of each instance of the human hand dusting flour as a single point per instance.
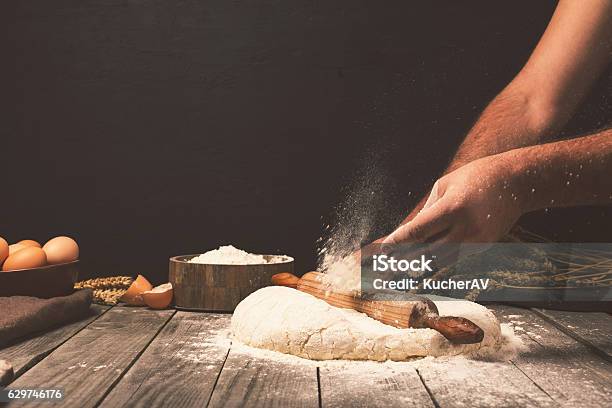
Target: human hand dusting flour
(507, 165)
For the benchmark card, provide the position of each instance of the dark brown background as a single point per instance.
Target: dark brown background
(153, 128)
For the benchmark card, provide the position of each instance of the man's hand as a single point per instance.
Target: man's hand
(572, 53)
(478, 202)
(482, 200)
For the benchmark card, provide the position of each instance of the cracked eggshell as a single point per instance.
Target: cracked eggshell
(159, 297)
(133, 296)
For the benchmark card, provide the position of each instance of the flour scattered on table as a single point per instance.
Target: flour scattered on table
(203, 347)
(230, 255)
(458, 367)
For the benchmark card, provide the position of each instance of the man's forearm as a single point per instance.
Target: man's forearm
(481, 201)
(560, 174)
(514, 119)
(573, 51)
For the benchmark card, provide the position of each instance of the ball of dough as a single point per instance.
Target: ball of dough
(289, 321)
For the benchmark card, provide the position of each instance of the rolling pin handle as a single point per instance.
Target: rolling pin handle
(458, 330)
(285, 279)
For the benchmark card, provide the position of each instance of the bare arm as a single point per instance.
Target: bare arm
(572, 53)
(567, 173)
(481, 201)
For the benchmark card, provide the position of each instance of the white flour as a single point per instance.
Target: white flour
(343, 274)
(230, 255)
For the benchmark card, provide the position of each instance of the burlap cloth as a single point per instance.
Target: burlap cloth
(24, 315)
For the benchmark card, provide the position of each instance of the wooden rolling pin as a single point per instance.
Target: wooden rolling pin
(416, 311)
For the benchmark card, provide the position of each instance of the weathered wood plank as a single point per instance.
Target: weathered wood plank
(459, 382)
(249, 381)
(24, 354)
(360, 384)
(593, 329)
(564, 368)
(179, 368)
(6, 373)
(92, 361)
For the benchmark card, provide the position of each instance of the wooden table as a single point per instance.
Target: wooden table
(123, 356)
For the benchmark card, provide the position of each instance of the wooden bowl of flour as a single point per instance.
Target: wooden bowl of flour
(220, 287)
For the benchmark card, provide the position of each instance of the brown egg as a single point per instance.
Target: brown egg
(29, 242)
(159, 297)
(4, 250)
(133, 296)
(27, 258)
(61, 250)
(15, 247)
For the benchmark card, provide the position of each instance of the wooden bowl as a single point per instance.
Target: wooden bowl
(220, 288)
(44, 282)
